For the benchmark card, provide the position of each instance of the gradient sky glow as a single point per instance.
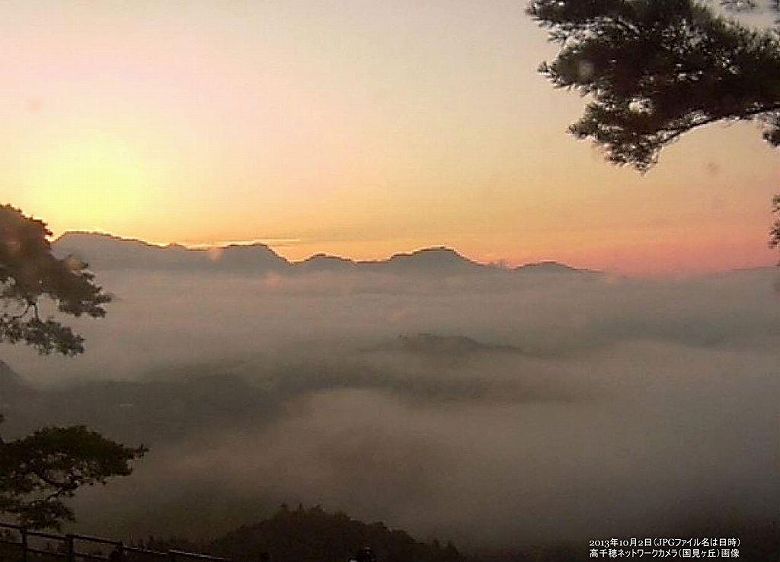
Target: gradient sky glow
(359, 128)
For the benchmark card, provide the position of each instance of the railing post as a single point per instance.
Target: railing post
(71, 548)
(23, 532)
(172, 556)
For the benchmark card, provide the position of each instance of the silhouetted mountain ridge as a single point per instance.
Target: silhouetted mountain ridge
(439, 260)
(325, 262)
(314, 534)
(435, 345)
(104, 251)
(108, 252)
(549, 267)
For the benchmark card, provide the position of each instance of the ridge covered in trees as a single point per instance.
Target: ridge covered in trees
(315, 535)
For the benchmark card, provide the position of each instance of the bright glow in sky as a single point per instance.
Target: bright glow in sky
(354, 128)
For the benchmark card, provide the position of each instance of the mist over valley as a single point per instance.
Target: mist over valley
(484, 405)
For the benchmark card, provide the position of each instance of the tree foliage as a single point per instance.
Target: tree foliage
(38, 472)
(41, 470)
(30, 274)
(656, 69)
(314, 534)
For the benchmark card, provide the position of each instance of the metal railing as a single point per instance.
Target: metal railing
(35, 546)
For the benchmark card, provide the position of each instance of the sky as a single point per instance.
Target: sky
(357, 128)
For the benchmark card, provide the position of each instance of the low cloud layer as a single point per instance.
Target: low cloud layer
(540, 407)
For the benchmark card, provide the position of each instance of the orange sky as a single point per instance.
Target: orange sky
(355, 128)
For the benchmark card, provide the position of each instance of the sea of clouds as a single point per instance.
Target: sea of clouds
(543, 407)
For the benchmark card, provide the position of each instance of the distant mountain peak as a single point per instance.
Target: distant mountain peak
(435, 252)
(446, 346)
(247, 256)
(547, 264)
(438, 260)
(321, 256)
(106, 251)
(325, 262)
(550, 267)
(84, 236)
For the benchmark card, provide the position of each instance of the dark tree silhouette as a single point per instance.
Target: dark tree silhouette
(41, 470)
(656, 69)
(313, 534)
(29, 273)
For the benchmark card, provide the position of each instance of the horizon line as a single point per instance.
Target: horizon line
(272, 243)
(282, 242)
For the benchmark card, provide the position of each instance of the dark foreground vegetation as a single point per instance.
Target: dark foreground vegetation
(315, 535)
